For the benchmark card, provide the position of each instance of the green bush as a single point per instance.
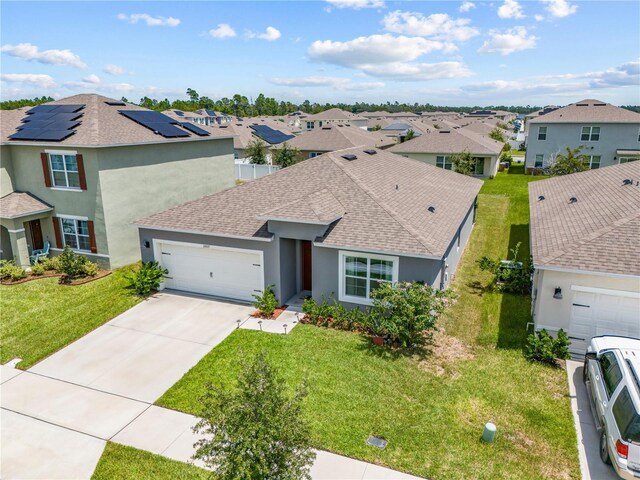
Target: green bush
(543, 348)
(71, 264)
(50, 264)
(147, 278)
(90, 269)
(511, 276)
(336, 315)
(37, 269)
(9, 270)
(506, 157)
(266, 302)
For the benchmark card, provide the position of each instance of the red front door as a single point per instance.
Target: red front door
(306, 265)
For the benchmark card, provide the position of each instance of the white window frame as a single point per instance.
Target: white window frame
(542, 134)
(62, 153)
(342, 255)
(590, 162)
(310, 125)
(75, 219)
(445, 160)
(590, 133)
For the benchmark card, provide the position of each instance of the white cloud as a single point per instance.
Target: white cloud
(539, 18)
(507, 42)
(149, 20)
(560, 8)
(510, 9)
(338, 83)
(466, 6)
(269, 35)
(224, 30)
(437, 25)
(40, 80)
(93, 78)
(356, 4)
(112, 69)
(89, 83)
(417, 71)
(31, 52)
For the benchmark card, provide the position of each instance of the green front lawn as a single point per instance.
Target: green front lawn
(119, 462)
(431, 410)
(41, 317)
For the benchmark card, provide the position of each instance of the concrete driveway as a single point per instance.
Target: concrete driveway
(591, 466)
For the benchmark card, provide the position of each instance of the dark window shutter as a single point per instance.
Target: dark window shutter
(44, 158)
(83, 177)
(92, 237)
(56, 228)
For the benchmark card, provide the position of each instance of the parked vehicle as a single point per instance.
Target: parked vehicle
(612, 378)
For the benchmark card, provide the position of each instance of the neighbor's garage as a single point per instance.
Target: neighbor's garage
(211, 270)
(598, 311)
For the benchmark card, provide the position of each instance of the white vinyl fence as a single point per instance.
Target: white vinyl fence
(250, 171)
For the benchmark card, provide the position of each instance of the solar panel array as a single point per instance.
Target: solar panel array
(270, 135)
(49, 122)
(162, 124)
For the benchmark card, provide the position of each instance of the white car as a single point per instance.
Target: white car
(612, 378)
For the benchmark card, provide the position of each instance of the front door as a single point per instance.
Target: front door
(306, 265)
(36, 235)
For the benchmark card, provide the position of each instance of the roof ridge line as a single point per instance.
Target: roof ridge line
(591, 237)
(387, 209)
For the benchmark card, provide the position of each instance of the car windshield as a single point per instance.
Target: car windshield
(627, 417)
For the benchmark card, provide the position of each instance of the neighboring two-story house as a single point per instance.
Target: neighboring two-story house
(333, 116)
(77, 171)
(608, 135)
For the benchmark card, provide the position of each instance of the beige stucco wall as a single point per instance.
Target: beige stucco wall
(490, 162)
(554, 314)
(138, 181)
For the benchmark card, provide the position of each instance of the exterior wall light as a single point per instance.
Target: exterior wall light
(557, 293)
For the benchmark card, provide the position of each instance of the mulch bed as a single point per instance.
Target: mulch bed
(276, 313)
(77, 281)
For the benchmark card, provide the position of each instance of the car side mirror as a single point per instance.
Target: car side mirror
(591, 356)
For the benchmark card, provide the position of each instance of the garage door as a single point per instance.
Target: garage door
(222, 272)
(602, 312)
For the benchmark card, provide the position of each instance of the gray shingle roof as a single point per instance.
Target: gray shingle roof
(450, 141)
(101, 125)
(20, 204)
(598, 233)
(385, 198)
(587, 111)
(334, 114)
(318, 207)
(331, 138)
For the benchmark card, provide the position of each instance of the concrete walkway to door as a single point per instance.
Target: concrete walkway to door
(56, 417)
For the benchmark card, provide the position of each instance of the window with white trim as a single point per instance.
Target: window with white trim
(592, 161)
(542, 133)
(590, 134)
(314, 154)
(76, 233)
(64, 171)
(361, 273)
(445, 162)
(629, 159)
(479, 166)
(309, 125)
(539, 161)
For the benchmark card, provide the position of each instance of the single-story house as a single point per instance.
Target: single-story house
(439, 146)
(332, 226)
(585, 239)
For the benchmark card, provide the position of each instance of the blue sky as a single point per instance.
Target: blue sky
(445, 53)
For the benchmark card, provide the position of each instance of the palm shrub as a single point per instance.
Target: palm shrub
(541, 347)
(266, 301)
(147, 278)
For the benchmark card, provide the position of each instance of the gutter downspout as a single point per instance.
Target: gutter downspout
(443, 267)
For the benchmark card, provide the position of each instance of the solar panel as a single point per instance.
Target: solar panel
(270, 135)
(49, 122)
(23, 135)
(55, 135)
(195, 129)
(42, 109)
(166, 129)
(68, 108)
(156, 121)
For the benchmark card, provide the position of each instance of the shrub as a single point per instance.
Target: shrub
(147, 278)
(404, 311)
(90, 269)
(336, 315)
(50, 264)
(9, 270)
(497, 135)
(506, 157)
(464, 163)
(266, 302)
(511, 276)
(543, 348)
(71, 264)
(37, 269)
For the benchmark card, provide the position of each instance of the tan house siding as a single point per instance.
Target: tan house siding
(490, 161)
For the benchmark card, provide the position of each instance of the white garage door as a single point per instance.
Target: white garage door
(597, 311)
(222, 272)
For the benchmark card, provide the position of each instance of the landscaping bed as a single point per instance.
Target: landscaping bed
(276, 313)
(76, 281)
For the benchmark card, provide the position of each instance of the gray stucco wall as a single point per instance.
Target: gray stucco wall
(613, 136)
(5, 245)
(6, 171)
(299, 231)
(288, 269)
(454, 253)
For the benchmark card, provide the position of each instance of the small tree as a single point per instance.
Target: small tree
(256, 152)
(285, 156)
(464, 163)
(511, 276)
(497, 135)
(147, 278)
(256, 431)
(572, 161)
(376, 127)
(71, 264)
(410, 135)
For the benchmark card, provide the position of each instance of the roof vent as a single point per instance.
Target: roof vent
(116, 103)
(370, 151)
(599, 104)
(444, 131)
(540, 198)
(349, 156)
(573, 200)
(432, 209)
(627, 181)
(582, 104)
